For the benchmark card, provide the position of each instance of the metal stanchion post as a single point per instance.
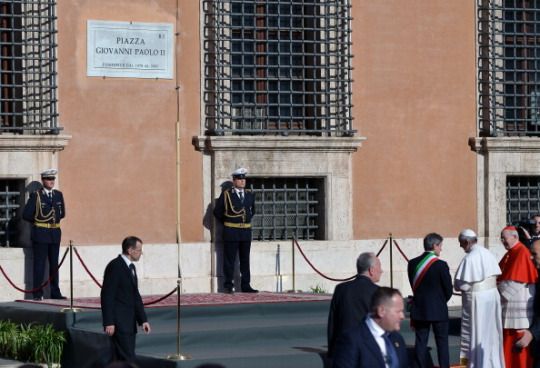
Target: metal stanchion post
(293, 290)
(71, 308)
(279, 277)
(178, 355)
(391, 261)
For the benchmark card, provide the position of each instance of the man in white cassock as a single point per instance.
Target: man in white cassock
(481, 324)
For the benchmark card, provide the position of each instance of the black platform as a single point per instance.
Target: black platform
(265, 335)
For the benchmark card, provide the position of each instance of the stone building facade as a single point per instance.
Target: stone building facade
(356, 120)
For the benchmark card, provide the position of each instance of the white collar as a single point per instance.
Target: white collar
(374, 327)
(126, 259)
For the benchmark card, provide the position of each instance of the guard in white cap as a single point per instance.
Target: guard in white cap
(234, 208)
(44, 210)
(481, 323)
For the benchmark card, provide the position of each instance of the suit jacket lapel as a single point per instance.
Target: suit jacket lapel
(372, 344)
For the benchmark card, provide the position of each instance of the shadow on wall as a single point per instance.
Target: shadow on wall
(210, 222)
(19, 226)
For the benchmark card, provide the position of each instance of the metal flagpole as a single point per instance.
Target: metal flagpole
(178, 355)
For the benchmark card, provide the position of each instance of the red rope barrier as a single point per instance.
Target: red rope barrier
(160, 299)
(382, 248)
(400, 251)
(101, 286)
(42, 285)
(86, 268)
(316, 270)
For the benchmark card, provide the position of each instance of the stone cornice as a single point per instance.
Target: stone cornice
(42, 143)
(277, 143)
(504, 144)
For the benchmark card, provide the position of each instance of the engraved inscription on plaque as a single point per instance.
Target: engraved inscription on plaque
(129, 49)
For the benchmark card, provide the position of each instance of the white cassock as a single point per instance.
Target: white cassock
(481, 324)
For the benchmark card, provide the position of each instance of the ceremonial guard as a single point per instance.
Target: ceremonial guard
(44, 210)
(234, 209)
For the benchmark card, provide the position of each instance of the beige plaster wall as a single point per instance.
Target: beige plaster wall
(118, 173)
(414, 98)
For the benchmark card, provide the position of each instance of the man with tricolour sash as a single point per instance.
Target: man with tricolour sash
(431, 284)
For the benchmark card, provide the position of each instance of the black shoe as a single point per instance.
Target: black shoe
(60, 297)
(249, 289)
(38, 298)
(228, 290)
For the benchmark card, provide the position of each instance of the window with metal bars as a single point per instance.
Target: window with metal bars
(509, 67)
(28, 67)
(11, 205)
(287, 208)
(522, 198)
(278, 67)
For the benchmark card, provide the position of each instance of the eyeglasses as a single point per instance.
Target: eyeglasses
(49, 178)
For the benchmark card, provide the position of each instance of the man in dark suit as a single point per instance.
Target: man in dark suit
(431, 283)
(375, 343)
(44, 210)
(234, 209)
(121, 304)
(533, 333)
(351, 299)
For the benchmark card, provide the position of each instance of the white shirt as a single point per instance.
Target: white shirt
(238, 191)
(126, 259)
(377, 333)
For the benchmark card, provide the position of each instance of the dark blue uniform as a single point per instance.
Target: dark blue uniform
(45, 214)
(235, 215)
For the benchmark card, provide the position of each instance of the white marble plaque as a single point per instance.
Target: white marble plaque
(129, 49)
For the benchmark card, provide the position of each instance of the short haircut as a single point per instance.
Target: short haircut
(382, 296)
(431, 240)
(364, 262)
(535, 216)
(130, 242)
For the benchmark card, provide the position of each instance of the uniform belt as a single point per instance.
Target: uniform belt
(237, 225)
(47, 226)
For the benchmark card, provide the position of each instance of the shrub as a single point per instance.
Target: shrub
(32, 342)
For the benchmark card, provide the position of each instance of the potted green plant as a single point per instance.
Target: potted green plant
(47, 345)
(32, 342)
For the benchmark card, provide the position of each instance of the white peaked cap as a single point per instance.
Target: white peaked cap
(468, 233)
(241, 171)
(49, 172)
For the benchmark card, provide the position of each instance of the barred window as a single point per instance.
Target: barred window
(509, 67)
(278, 67)
(287, 208)
(522, 198)
(28, 67)
(11, 205)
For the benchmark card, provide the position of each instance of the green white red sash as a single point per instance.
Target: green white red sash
(422, 268)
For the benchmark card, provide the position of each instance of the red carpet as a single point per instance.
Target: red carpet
(195, 300)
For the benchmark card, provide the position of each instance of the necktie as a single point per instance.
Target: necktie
(50, 196)
(391, 356)
(133, 273)
(241, 194)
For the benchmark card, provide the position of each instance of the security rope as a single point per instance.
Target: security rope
(42, 285)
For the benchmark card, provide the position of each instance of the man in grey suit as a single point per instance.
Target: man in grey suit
(121, 303)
